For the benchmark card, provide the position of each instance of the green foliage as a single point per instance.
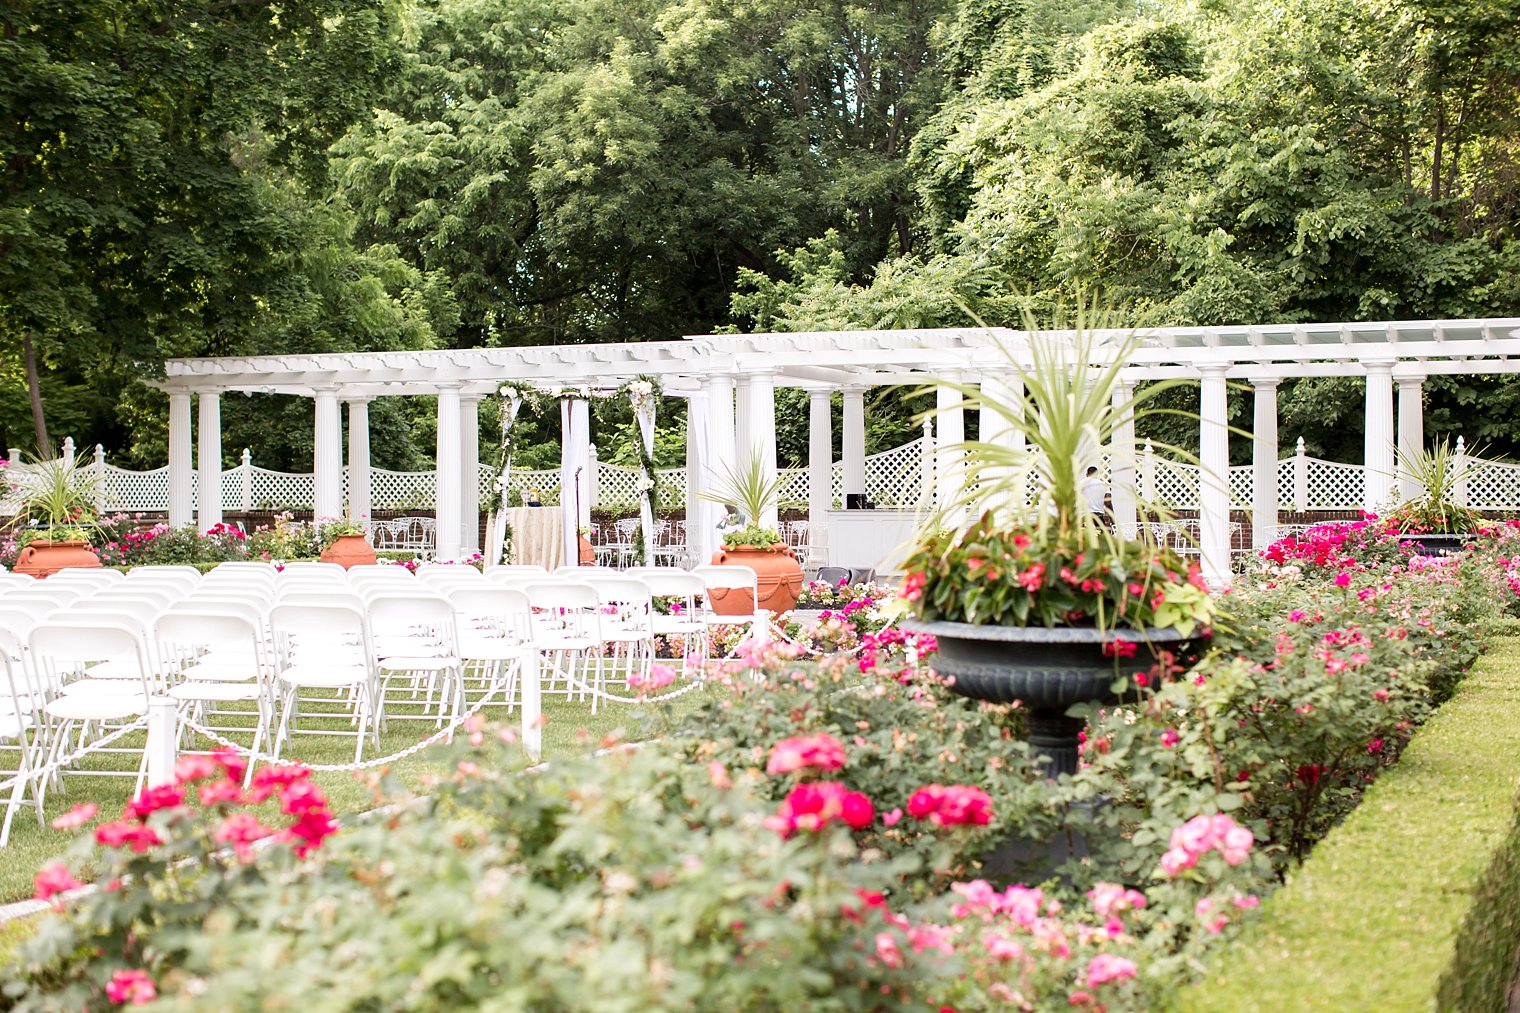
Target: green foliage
(747, 487)
(1434, 508)
(59, 493)
(1411, 903)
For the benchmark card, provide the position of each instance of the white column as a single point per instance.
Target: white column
(1121, 462)
(720, 419)
(762, 433)
(447, 507)
(949, 470)
(469, 473)
(181, 464)
(853, 446)
(1411, 429)
(245, 473)
(1377, 455)
(1213, 480)
(208, 510)
(359, 491)
(100, 480)
(820, 474)
(700, 520)
(327, 456)
(744, 438)
(1264, 463)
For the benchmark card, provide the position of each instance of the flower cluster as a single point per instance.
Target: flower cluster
(1338, 546)
(652, 681)
(1203, 834)
(951, 805)
(806, 752)
(813, 805)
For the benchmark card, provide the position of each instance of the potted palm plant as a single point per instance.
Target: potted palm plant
(60, 502)
(747, 543)
(1039, 598)
(1432, 520)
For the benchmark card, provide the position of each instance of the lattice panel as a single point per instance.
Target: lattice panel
(896, 477)
(1334, 486)
(1242, 484)
(1285, 473)
(1493, 487)
(794, 487)
(132, 491)
(403, 490)
(282, 490)
(1176, 485)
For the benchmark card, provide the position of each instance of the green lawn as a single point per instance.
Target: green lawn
(569, 727)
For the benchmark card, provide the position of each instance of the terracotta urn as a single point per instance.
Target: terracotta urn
(42, 559)
(778, 580)
(348, 551)
(588, 552)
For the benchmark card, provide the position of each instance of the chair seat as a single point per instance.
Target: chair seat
(222, 692)
(11, 725)
(222, 670)
(490, 649)
(669, 625)
(323, 676)
(116, 668)
(418, 663)
(551, 642)
(102, 687)
(102, 707)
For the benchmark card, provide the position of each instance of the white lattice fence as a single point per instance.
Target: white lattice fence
(401, 490)
(131, 491)
(281, 490)
(545, 480)
(1493, 486)
(895, 477)
(1333, 486)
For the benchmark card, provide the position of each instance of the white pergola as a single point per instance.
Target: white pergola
(730, 383)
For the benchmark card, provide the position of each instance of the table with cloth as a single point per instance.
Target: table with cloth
(538, 536)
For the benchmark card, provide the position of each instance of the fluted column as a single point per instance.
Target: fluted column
(761, 403)
(469, 473)
(853, 445)
(1377, 455)
(949, 468)
(820, 473)
(359, 491)
(447, 505)
(181, 463)
(327, 456)
(208, 511)
(1121, 461)
(1411, 429)
(1264, 463)
(1214, 477)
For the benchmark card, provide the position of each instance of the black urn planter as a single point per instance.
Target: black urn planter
(1450, 543)
(1047, 669)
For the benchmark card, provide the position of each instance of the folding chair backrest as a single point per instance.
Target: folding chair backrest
(310, 566)
(58, 594)
(344, 596)
(88, 578)
(728, 576)
(432, 573)
(61, 645)
(515, 570)
(9, 579)
(178, 632)
(491, 607)
(578, 572)
(562, 594)
(33, 609)
(621, 590)
(302, 625)
(399, 613)
(672, 583)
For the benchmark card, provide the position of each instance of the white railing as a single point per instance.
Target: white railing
(893, 478)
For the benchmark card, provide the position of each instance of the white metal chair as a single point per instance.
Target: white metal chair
(680, 593)
(419, 646)
(217, 658)
(61, 656)
(326, 649)
(739, 581)
(21, 705)
(625, 625)
(564, 626)
(494, 625)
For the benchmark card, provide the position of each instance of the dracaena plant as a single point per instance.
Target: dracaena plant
(750, 490)
(1017, 544)
(1434, 508)
(61, 494)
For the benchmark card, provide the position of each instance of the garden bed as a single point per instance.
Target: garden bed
(1413, 903)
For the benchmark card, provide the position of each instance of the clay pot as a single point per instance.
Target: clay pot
(588, 552)
(777, 584)
(349, 550)
(43, 559)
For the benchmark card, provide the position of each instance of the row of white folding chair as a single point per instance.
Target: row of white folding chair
(19, 718)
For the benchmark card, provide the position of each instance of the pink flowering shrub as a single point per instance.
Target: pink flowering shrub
(1330, 548)
(177, 855)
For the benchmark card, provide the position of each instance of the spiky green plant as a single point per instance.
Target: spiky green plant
(1434, 508)
(61, 494)
(747, 488)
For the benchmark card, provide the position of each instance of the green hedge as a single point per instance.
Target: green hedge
(1414, 902)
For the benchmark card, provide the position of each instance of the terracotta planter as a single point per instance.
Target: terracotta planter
(778, 580)
(349, 550)
(43, 559)
(1047, 670)
(588, 552)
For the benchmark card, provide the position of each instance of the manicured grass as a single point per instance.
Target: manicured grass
(1414, 902)
(569, 727)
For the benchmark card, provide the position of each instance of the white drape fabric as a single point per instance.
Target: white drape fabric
(575, 478)
(644, 414)
(498, 520)
(701, 516)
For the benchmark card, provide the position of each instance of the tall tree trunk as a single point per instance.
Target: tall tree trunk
(34, 391)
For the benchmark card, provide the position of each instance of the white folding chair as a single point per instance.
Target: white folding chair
(741, 583)
(494, 625)
(324, 649)
(90, 579)
(62, 656)
(21, 705)
(678, 610)
(216, 659)
(564, 627)
(420, 647)
(625, 625)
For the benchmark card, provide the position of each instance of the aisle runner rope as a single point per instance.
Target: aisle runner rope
(253, 757)
(57, 766)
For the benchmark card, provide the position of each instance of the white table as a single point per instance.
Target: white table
(879, 539)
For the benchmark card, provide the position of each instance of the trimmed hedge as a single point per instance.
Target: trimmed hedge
(1414, 902)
